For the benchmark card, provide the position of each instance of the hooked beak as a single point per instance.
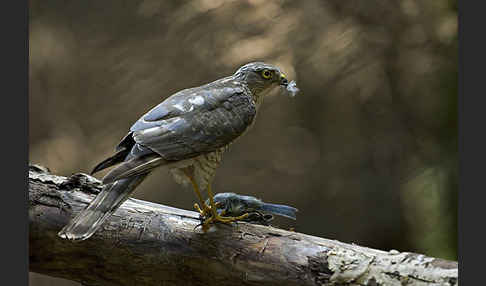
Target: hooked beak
(283, 80)
(290, 87)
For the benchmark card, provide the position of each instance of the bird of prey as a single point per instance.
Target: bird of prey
(231, 204)
(187, 134)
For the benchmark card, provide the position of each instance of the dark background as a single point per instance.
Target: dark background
(367, 152)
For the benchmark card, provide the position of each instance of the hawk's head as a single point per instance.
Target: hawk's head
(261, 77)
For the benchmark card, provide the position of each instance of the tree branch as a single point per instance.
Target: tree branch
(150, 244)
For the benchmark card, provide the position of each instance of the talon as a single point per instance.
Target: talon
(201, 211)
(214, 216)
(222, 219)
(198, 225)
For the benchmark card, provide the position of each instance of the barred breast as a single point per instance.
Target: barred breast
(202, 168)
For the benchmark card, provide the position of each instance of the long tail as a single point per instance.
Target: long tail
(134, 167)
(282, 210)
(90, 219)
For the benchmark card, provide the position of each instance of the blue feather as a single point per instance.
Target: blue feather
(281, 210)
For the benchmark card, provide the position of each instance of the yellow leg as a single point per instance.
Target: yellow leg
(211, 201)
(205, 209)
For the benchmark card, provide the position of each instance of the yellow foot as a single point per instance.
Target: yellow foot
(204, 211)
(209, 214)
(219, 218)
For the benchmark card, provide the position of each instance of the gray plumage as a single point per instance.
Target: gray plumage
(236, 205)
(105, 204)
(187, 133)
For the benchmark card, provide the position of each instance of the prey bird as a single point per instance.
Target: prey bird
(231, 204)
(187, 134)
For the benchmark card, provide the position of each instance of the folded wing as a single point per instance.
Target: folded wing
(195, 121)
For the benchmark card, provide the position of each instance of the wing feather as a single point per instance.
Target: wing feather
(195, 121)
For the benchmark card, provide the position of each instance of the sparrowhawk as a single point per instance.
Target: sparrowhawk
(187, 133)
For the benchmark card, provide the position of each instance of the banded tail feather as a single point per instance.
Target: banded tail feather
(89, 220)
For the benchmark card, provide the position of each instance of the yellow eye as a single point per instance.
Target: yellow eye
(266, 74)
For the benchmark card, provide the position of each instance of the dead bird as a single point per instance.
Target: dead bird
(231, 204)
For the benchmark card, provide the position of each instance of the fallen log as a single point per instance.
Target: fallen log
(145, 243)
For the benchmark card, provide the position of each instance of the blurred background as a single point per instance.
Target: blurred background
(367, 151)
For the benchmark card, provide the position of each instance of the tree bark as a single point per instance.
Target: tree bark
(144, 243)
